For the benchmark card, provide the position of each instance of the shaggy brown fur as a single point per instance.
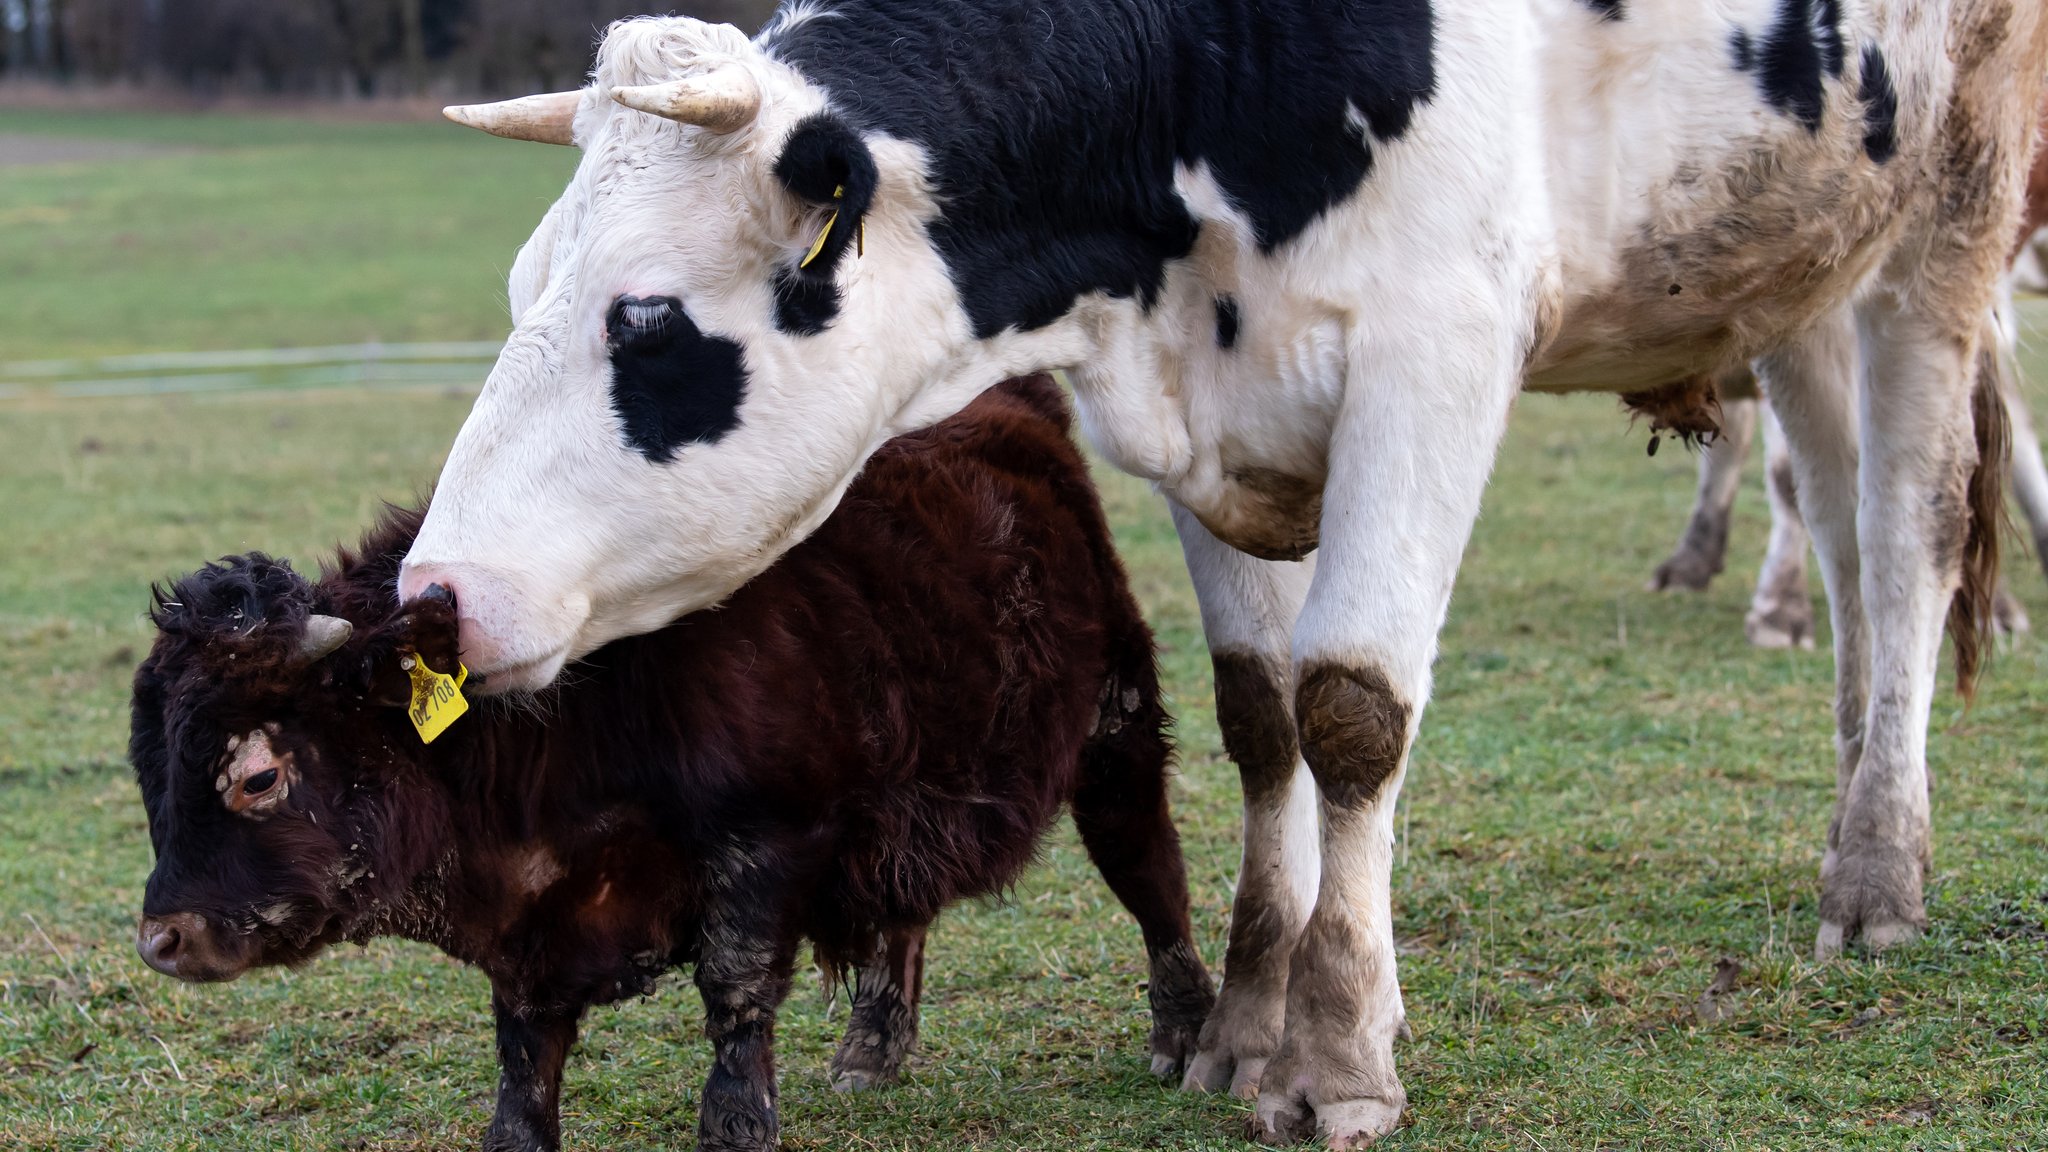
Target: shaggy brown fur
(1689, 409)
(884, 723)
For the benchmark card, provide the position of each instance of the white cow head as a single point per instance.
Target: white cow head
(733, 304)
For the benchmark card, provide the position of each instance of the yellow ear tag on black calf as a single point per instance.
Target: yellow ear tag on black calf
(436, 697)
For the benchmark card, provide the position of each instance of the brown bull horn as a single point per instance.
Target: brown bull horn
(549, 118)
(324, 634)
(723, 100)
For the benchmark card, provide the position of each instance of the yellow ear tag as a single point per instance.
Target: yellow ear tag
(818, 245)
(436, 697)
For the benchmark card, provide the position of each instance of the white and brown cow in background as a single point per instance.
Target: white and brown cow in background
(1781, 612)
(1299, 258)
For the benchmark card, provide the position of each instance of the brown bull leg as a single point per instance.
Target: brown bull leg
(883, 1028)
(532, 1045)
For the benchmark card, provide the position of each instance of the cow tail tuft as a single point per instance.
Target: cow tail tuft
(1970, 619)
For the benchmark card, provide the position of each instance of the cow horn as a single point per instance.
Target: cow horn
(324, 634)
(549, 118)
(723, 100)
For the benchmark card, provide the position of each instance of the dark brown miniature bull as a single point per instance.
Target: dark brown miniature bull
(884, 723)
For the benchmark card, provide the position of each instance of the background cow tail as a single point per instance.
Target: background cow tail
(1970, 621)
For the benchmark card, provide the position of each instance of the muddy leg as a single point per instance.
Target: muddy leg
(743, 975)
(1121, 811)
(532, 1044)
(1248, 612)
(1409, 457)
(883, 1028)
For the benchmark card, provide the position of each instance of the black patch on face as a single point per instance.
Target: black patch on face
(1226, 321)
(671, 384)
(1880, 107)
(804, 305)
(1054, 127)
(1803, 46)
(1608, 9)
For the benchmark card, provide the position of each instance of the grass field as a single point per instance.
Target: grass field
(1611, 793)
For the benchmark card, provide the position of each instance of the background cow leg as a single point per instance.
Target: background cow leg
(883, 1027)
(2029, 477)
(1781, 610)
(532, 1044)
(1703, 547)
(743, 975)
(1249, 608)
(1424, 409)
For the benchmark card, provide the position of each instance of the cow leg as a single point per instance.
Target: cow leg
(743, 973)
(883, 1027)
(2029, 476)
(1249, 608)
(1813, 393)
(1703, 548)
(532, 1045)
(1423, 413)
(1781, 611)
(1914, 484)
(1120, 808)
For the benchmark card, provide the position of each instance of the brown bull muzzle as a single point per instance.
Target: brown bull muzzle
(185, 945)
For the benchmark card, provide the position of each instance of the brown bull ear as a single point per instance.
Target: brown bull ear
(324, 635)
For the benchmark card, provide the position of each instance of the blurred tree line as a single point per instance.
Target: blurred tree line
(324, 47)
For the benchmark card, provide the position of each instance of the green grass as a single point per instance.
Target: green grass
(1612, 790)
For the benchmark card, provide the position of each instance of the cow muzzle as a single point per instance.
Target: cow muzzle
(184, 945)
(510, 641)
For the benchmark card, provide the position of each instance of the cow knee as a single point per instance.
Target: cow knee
(1257, 728)
(1354, 729)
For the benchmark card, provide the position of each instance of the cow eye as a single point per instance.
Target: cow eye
(637, 318)
(260, 782)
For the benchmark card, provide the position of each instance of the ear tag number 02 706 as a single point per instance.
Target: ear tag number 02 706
(436, 696)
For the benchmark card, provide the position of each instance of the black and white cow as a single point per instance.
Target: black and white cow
(1299, 258)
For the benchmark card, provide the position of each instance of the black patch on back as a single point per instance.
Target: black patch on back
(1608, 9)
(1803, 46)
(1053, 126)
(1880, 107)
(1226, 321)
(673, 386)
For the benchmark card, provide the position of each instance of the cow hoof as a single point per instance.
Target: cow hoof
(1339, 1125)
(2008, 615)
(856, 1080)
(1779, 628)
(1216, 1071)
(1873, 895)
(1685, 571)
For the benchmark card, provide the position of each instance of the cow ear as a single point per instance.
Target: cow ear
(425, 631)
(827, 165)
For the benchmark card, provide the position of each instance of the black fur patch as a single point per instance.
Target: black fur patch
(1053, 127)
(1803, 46)
(1608, 9)
(824, 162)
(673, 385)
(1227, 321)
(1880, 107)
(805, 305)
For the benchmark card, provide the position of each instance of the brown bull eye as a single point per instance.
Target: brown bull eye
(260, 782)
